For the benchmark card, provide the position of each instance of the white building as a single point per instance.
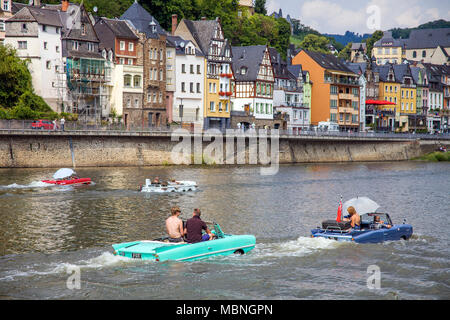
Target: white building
(189, 71)
(36, 34)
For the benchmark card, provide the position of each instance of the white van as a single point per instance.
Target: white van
(328, 126)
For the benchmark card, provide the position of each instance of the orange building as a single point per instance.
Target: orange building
(335, 93)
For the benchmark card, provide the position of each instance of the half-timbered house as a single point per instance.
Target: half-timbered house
(254, 86)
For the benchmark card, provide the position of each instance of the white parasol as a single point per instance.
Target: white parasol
(362, 205)
(63, 173)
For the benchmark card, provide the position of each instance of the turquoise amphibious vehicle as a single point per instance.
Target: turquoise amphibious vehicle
(162, 250)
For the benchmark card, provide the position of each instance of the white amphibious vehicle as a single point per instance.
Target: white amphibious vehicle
(170, 186)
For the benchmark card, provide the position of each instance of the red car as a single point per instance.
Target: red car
(42, 125)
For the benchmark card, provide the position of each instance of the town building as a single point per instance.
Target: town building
(359, 69)
(119, 43)
(388, 49)
(429, 46)
(5, 13)
(189, 93)
(152, 44)
(208, 37)
(288, 93)
(245, 6)
(335, 92)
(86, 73)
(420, 120)
(438, 97)
(36, 35)
(372, 77)
(254, 88)
(358, 52)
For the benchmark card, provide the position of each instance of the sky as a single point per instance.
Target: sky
(361, 16)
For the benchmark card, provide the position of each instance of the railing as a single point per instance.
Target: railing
(77, 128)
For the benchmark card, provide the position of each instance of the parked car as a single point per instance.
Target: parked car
(42, 125)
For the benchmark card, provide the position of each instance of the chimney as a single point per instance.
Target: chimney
(64, 5)
(174, 23)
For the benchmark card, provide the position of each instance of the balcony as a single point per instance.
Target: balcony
(350, 81)
(346, 96)
(347, 110)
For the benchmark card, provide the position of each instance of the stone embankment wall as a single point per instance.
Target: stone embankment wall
(56, 150)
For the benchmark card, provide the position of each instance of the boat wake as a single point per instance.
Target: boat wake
(300, 247)
(32, 185)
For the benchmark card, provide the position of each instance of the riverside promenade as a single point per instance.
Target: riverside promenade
(24, 147)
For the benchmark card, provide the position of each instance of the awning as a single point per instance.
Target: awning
(380, 102)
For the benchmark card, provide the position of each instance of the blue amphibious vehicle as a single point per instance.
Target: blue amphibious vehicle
(375, 228)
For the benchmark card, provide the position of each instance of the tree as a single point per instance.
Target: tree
(260, 7)
(313, 42)
(377, 35)
(15, 78)
(346, 52)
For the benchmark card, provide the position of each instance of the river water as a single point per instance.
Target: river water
(47, 233)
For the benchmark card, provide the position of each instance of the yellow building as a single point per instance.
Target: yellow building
(388, 49)
(208, 37)
(396, 86)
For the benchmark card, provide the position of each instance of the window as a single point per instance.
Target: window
(212, 106)
(130, 62)
(48, 64)
(83, 29)
(75, 45)
(121, 61)
(161, 55)
(130, 46)
(2, 25)
(226, 107)
(191, 87)
(57, 48)
(220, 106)
(45, 45)
(183, 68)
(137, 81)
(122, 45)
(424, 54)
(6, 5)
(24, 27)
(44, 28)
(22, 44)
(183, 87)
(161, 76)
(127, 80)
(198, 88)
(414, 54)
(192, 69)
(136, 103)
(198, 69)
(90, 46)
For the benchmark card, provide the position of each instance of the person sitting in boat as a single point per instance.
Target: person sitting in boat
(194, 228)
(156, 181)
(354, 218)
(380, 223)
(174, 226)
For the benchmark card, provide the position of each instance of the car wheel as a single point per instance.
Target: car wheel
(240, 251)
